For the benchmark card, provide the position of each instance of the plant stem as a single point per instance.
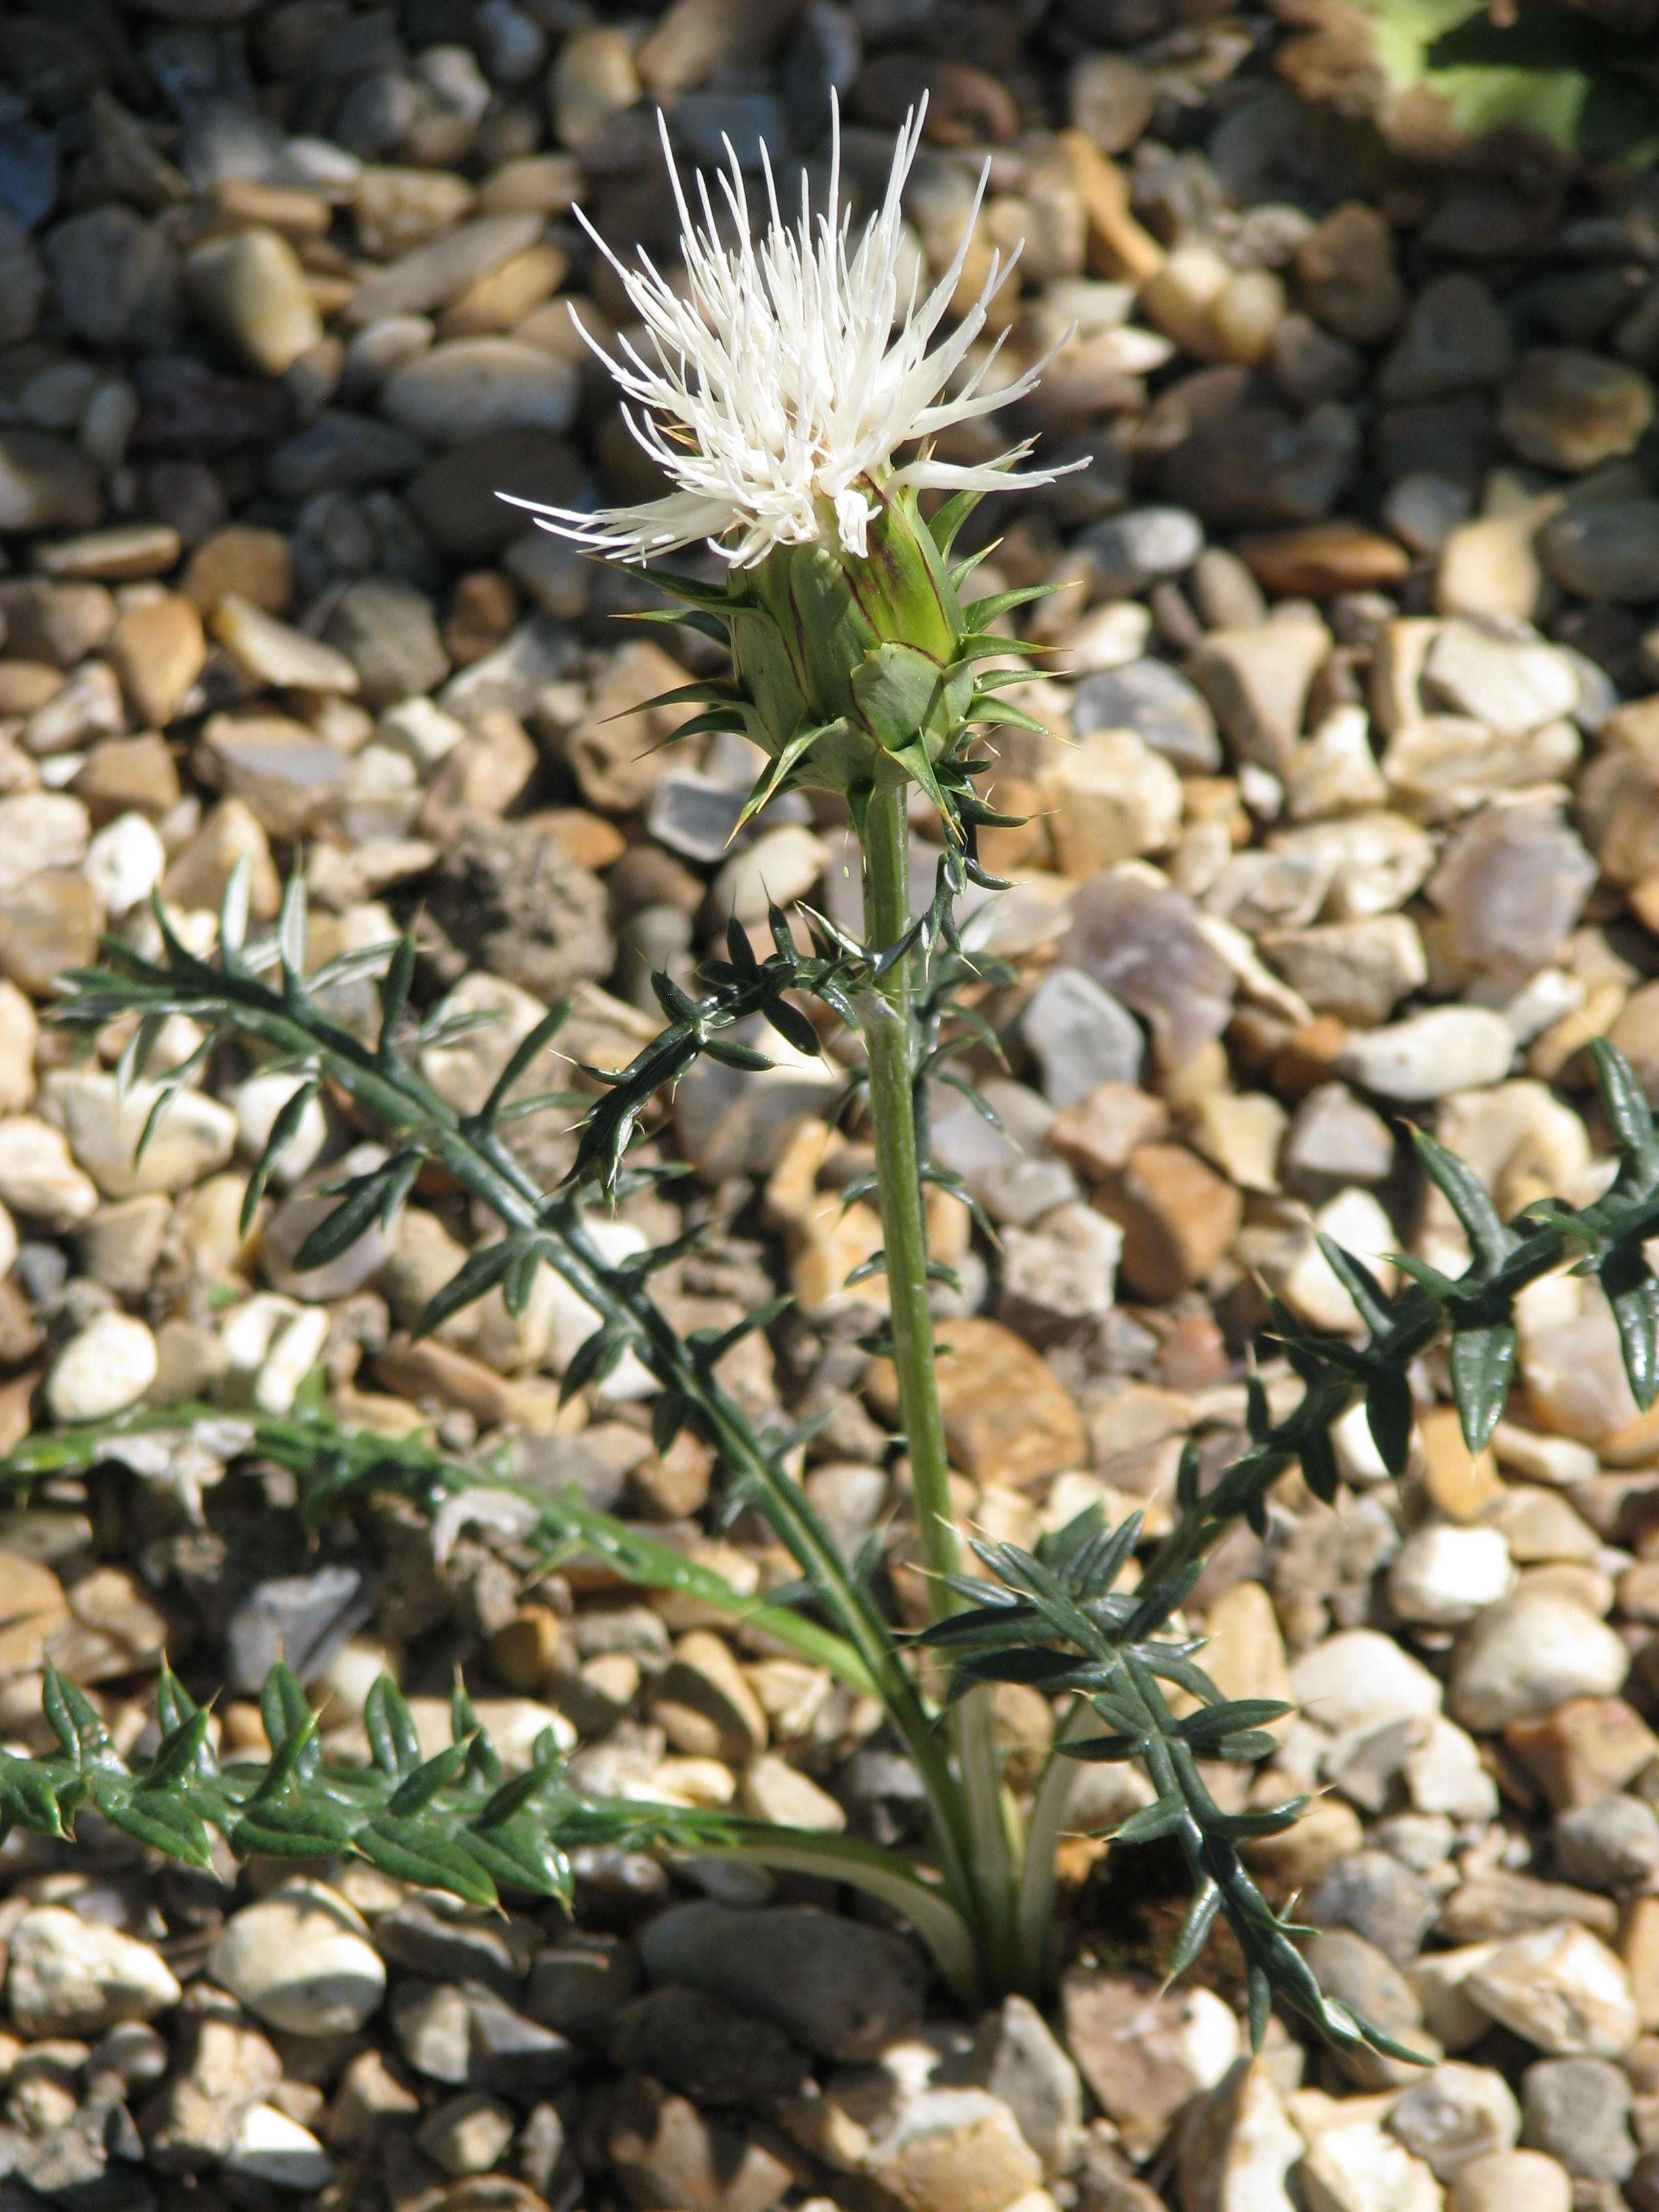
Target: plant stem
(889, 1041)
(886, 1021)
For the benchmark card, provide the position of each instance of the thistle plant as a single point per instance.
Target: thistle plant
(785, 380)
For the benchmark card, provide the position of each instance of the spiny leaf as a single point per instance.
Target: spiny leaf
(1481, 1364)
(1463, 1191)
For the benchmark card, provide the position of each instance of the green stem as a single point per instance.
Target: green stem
(889, 1036)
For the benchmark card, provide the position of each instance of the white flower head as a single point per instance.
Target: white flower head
(776, 386)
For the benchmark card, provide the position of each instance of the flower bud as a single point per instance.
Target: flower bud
(848, 663)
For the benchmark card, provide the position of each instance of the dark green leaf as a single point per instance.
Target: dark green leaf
(390, 1726)
(1481, 1362)
(418, 1851)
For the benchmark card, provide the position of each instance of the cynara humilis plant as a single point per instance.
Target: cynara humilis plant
(778, 388)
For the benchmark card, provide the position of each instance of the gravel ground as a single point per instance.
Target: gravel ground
(1349, 818)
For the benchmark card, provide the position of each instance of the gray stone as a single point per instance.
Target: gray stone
(1263, 465)
(580, 1983)
(1512, 684)
(434, 275)
(340, 451)
(1016, 2057)
(507, 895)
(46, 484)
(1604, 549)
(1009, 1171)
(111, 268)
(693, 814)
(1334, 1140)
(1360, 1976)
(23, 279)
(1569, 409)
(537, 652)
(1511, 882)
(1257, 682)
(1160, 706)
(1359, 971)
(456, 498)
(753, 122)
(388, 632)
(1454, 337)
(481, 388)
(1456, 2113)
(301, 1960)
(1611, 1844)
(1144, 945)
(839, 1988)
(731, 1123)
(73, 1977)
(1578, 2110)
(706, 2049)
(299, 1619)
(1523, 1658)
(1129, 553)
(1080, 1037)
(1429, 1055)
(28, 167)
(1112, 97)
(434, 1938)
(1372, 1894)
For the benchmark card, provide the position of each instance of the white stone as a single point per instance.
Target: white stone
(103, 1369)
(1358, 2168)
(19, 1036)
(73, 1977)
(124, 863)
(1456, 2113)
(270, 2147)
(1374, 861)
(1355, 1221)
(38, 1177)
(193, 1136)
(273, 652)
(256, 1104)
(301, 1960)
(1445, 1774)
(1513, 2181)
(295, 1350)
(1440, 1981)
(1110, 797)
(1562, 1991)
(1427, 1056)
(1444, 1575)
(1361, 1679)
(422, 730)
(9, 1243)
(1521, 1659)
(513, 1725)
(40, 830)
(1515, 685)
(464, 1073)
(1238, 2146)
(1109, 635)
(1356, 1454)
(574, 1321)
(781, 866)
